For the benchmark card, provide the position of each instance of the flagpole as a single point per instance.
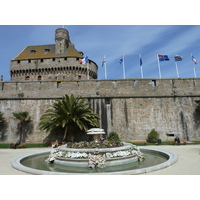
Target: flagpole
(195, 75)
(141, 66)
(177, 69)
(104, 61)
(88, 71)
(123, 67)
(159, 66)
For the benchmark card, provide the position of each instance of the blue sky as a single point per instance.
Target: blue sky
(113, 41)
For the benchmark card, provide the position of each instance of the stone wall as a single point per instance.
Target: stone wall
(129, 107)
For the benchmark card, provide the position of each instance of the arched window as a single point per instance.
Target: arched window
(39, 78)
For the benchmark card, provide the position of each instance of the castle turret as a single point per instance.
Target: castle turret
(62, 41)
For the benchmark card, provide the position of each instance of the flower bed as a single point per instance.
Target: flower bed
(102, 144)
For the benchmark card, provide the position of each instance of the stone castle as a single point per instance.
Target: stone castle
(130, 107)
(59, 61)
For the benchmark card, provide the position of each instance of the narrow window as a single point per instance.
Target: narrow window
(79, 77)
(53, 59)
(153, 83)
(135, 83)
(194, 83)
(41, 60)
(27, 78)
(173, 83)
(18, 61)
(58, 84)
(29, 61)
(65, 58)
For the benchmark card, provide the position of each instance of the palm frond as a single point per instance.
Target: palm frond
(70, 113)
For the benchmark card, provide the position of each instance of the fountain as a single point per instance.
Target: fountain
(125, 158)
(96, 132)
(96, 157)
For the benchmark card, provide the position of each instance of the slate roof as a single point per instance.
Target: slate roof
(46, 51)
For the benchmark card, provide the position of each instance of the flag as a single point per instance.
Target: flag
(84, 60)
(177, 58)
(193, 59)
(140, 60)
(121, 59)
(141, 66)
(163, 58)
(104, 61)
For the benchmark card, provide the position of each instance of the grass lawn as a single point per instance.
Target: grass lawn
(6, 145)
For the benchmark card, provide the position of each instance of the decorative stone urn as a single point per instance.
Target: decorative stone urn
(96, 132)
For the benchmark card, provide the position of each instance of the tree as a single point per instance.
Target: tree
(3, 127)
(2, 119)
(72, 114)
(24, 121)
(153, 136)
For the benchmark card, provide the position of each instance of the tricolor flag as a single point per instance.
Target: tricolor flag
(163, 58)
(121, 59)
(177, 58)
(193, 59)
(84, 60)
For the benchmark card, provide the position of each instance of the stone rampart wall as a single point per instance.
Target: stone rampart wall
(129, 107)
(101, 88)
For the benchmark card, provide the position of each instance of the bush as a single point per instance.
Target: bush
(153, 136)
(113, 137)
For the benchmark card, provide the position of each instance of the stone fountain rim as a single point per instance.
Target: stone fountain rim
(172, 159)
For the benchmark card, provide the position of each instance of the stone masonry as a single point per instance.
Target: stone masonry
(130, 107)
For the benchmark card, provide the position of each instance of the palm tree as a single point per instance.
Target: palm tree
(24, 119)
(2, 120)
(72, 114)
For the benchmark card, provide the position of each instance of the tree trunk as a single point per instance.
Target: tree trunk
(70, 136)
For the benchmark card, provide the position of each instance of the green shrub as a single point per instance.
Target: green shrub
(153, 136)
(113, 137)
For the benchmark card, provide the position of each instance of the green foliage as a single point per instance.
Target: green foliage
(72, 114)
(22, 117)
(6, 145)
(113, 137)
(153, 136)
(24, 124)
(2, 119)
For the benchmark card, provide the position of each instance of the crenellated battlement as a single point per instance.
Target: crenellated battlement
(101, 88)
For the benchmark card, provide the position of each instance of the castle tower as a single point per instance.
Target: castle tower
(59, 61)
(62, 41)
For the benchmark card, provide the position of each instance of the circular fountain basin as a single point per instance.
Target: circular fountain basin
(123, 160)
(169, 158)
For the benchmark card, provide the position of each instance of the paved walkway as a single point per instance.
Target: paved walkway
(188, 160)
